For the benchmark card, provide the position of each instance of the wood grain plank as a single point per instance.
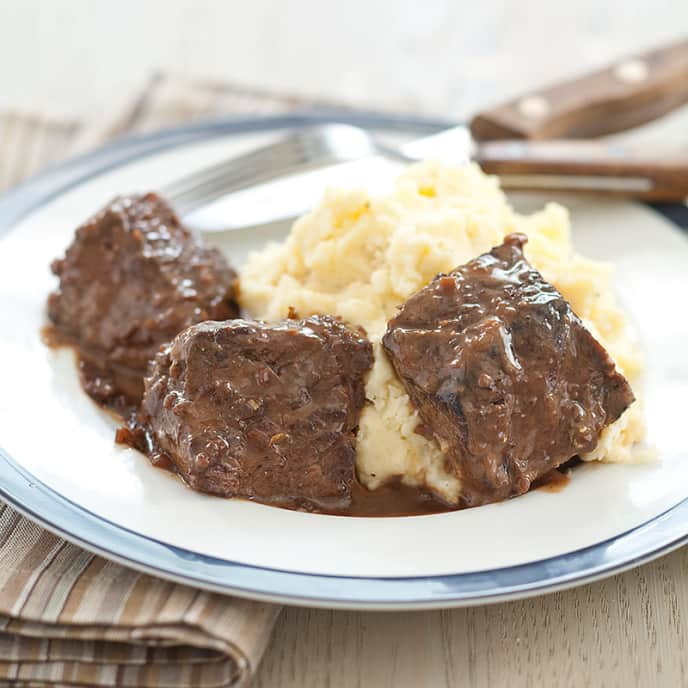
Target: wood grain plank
(629, 630)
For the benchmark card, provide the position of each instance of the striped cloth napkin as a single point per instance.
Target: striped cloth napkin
(68, 617)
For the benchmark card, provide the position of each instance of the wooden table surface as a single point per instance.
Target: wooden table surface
(629, 630)
(77, 57)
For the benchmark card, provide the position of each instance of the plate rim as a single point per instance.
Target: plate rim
(76, 524)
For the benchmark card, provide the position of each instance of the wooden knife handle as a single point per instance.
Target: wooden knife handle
(628, 93)
(586, 166)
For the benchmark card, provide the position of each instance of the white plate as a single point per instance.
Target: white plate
(62, 468)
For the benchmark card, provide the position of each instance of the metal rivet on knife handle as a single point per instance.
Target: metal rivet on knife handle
(632, 71)
(628, 93)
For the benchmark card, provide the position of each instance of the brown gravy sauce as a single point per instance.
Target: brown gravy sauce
(94, 371)
(554, 481)
(51, 337)
(391, 499)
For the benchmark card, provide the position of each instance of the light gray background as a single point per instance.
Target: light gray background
(442, 57)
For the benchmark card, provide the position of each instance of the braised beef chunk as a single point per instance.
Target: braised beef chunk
(268, 412)
(131, 280)
(504, 375)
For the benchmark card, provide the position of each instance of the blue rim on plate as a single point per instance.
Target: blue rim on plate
(43, 505)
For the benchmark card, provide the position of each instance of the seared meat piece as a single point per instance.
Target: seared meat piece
(132, 279)
(262, 411)
(504, 375)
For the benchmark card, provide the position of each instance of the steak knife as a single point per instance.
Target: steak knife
(512, 140)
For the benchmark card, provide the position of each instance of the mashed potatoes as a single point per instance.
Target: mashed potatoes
(360, 256)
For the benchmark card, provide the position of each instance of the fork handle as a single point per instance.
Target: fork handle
(621, 96)
(586, 166)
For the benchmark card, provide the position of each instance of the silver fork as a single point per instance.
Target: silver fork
(582, 166)
(303, 150)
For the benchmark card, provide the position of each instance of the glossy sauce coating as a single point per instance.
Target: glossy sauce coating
(269, 412)
(391, 499)
(132, 279)
(504, 375)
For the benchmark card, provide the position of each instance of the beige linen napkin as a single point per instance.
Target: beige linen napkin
(70, 617)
